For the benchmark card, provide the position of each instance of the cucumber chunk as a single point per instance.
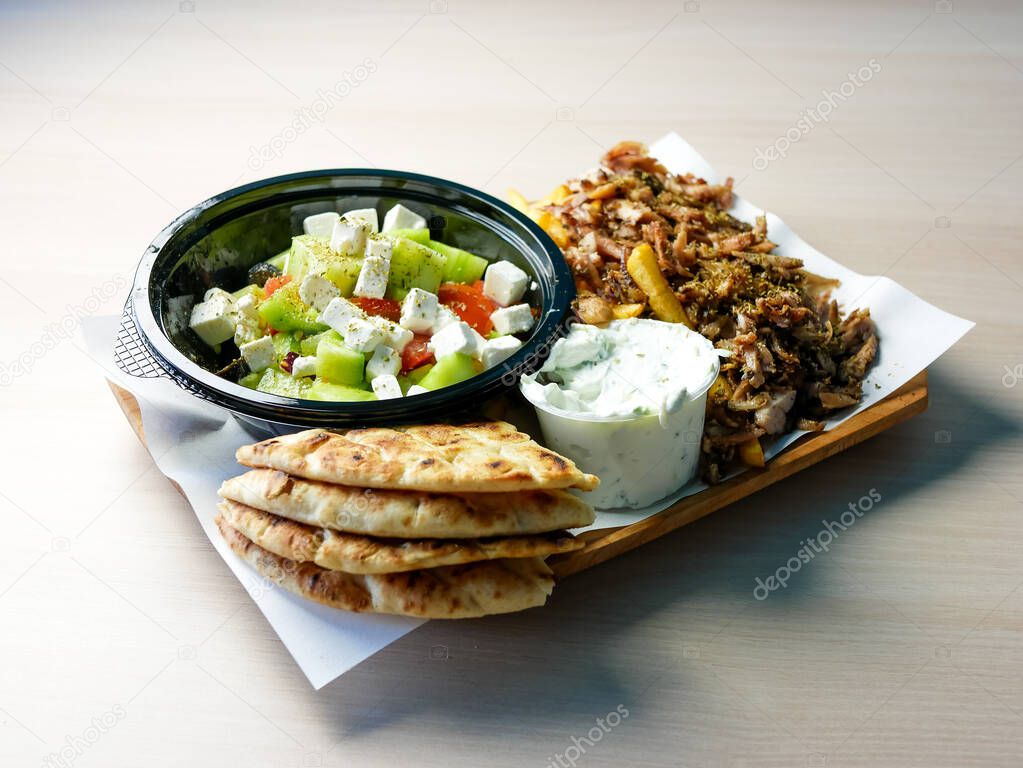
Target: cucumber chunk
(279, 260)
(285, 343)
(310, 343)
(413, 266)
(421, 236)
(285, 311)
(337, 364)
(276, 382)
(324, 390)
(250, 380)
(415, 376)
(312, 256)
(306, 252)
(344, 273)
(461, 266)
(449, 370)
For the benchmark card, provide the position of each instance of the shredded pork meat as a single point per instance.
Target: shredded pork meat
(792, 357)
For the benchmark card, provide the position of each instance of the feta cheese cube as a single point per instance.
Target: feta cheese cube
(415, 389)
(400, 217)
(445, 316)
(303, 366)
(349, 237)
(386, 387)
(372, 282)
(504, 283)
(418, 310)
(218, 292)
(214, 319)
(247, 306)
(361, 335)
(367, 216)
(480, 341)
(514, 319)
(339, 312)
(259, 354)
(321, 224)
(383, 362)
(498, 350)
(247, 330)
(317, 291)
(396, 337)
(380, 248)
(457, 337)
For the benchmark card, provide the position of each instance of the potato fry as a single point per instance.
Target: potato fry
(720, 389)
(518, 201)
(751, 453)
(642, 265)
(625, 311)
(552, 225)
(558, 195)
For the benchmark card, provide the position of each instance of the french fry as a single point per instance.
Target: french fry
(548, 222)
(625, 311)
(519, 202)
(751, 453)
(558, 195)
(720, 389)
(552, 225)
(642, 265)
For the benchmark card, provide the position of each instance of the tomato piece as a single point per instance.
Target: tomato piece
(275, 283)
(469, 303)
(416, 353)
(386, 308)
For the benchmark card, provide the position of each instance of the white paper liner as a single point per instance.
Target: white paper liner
(193, 442)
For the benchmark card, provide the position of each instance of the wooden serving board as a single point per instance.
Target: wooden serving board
(606, 543)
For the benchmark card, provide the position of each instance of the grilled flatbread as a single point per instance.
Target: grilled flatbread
(452, 592)
(407, 514)
(483, 457)
(362, 554)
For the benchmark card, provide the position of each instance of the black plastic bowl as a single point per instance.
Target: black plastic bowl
(215, 242)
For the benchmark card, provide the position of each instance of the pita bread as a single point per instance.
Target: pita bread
(452, 592)
(361, 554)
(407, 514)
(483, 457)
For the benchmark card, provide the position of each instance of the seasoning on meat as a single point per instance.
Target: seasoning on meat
(793, 358)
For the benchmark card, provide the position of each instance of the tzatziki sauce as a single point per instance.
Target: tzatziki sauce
(626, 402)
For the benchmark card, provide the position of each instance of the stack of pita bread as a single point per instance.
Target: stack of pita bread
(432, 521)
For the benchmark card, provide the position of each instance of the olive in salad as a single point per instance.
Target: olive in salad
(358, 311)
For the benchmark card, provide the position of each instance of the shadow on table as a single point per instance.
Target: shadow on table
(609, 634)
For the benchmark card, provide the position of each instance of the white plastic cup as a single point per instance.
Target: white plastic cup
(638, 460)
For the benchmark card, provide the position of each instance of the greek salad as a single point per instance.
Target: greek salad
(359, 311)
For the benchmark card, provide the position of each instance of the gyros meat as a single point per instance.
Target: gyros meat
(794, 358)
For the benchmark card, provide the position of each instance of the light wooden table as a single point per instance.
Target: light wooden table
(125, 641)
